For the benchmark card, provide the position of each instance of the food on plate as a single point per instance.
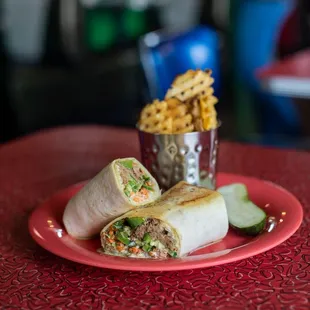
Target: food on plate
(121, 186)
(185, 218)
(166, 117)
(191, 84)
(208, 112)
(243, 214)
(189, 105)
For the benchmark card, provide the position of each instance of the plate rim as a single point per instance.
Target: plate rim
(188, 265)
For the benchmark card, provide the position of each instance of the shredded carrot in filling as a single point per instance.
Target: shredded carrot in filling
(152, 254)
(124, 238)
(120, 247)
(136, 183)
(142, 195)
(144, 192)
(134, 250)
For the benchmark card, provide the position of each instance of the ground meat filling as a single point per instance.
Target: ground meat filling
(124, 173)
(137, 185)
(157, 231)
(137, 171)
(139, 237)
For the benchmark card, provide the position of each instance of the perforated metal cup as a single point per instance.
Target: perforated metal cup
(191, 157)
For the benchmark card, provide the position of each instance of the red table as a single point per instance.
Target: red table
(34, 167)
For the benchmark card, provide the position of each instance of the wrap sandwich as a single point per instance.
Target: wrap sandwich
(184, 219)
(123, 185)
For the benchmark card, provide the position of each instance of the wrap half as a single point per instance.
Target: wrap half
(123, 185)
(184, 219)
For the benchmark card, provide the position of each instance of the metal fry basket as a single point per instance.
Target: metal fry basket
(191, 157)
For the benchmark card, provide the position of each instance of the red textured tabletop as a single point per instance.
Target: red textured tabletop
(34, 167)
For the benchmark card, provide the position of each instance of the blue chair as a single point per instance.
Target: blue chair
(165, 54)
(257, 28)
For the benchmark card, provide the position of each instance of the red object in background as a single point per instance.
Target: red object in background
(296, 66)
(289, 37)
(34, 167)
(290, 74)
(288, 77)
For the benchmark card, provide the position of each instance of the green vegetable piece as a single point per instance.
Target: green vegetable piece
(243, 214)
(146, 248)
(135, 185)
(148, 187)
(147, 238)
(146, 178)
(119, 224)
(253, 230)
(132, 183)
(134, 222)
(122, 237)
(173, 254)
(127, 190)
(138, 242)
(127, 163)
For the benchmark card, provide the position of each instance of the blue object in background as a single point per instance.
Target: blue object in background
(258, 25)
(165, 55)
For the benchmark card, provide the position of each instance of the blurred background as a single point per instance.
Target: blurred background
(67, 62)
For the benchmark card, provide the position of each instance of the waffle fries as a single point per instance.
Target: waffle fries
(190, 85)
(189, 106)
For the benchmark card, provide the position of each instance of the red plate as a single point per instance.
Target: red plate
(284, 211)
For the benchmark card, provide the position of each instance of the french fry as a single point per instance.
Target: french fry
(189, 106)
(153, 117)
(182, 124)
(190, 85)
(208, 112)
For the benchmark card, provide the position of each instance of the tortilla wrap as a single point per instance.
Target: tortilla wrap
(103, 198)
(184, 219)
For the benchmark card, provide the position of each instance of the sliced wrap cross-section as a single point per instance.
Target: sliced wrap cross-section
(123, 185)
(185, 218)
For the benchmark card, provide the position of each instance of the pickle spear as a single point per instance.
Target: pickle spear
(243, 214)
